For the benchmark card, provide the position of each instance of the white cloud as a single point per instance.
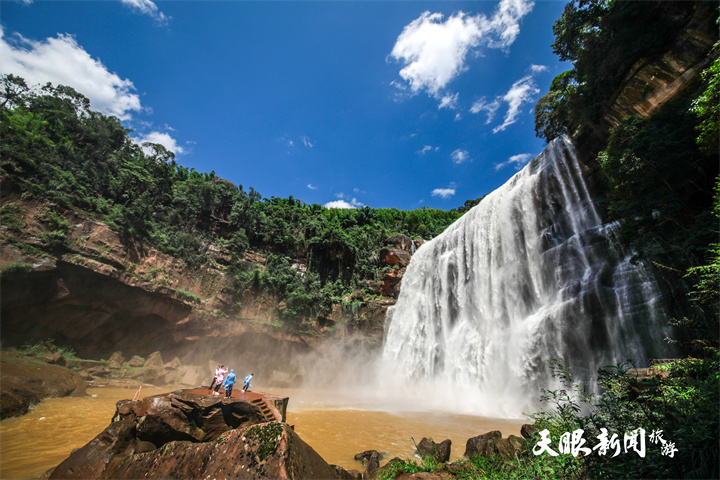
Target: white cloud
(538, 68)
(489, 107)
(306, 141)
(518, 161)
(311, 186)
(353, 203)
(163, 139)
(448, 101)
(460, 156)
(62, 61)
(146, 7)
(522, 91)
(443, 193)
(427, 148)
(433, 51)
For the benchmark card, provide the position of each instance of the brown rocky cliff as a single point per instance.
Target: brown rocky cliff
(652, 82)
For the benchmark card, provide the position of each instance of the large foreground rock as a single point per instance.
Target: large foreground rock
(183, 435)
(24, 382)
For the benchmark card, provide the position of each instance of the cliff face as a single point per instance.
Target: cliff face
(100, 292)
(652, 82)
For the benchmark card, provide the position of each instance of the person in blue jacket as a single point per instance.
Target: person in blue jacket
(247, 382)
(229, 382)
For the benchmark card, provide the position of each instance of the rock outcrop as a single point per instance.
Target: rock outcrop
(26, 382)
(439, 451)
(493, 442)
(185, 435)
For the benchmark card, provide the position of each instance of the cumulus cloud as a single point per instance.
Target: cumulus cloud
(518, 161)
(434, 50)
(342, 203)
(448, 101)
(163, 139)
(311, 186)
(443, 193)
(62, 61)
(522, 91)
(460, 156)
(146, 7)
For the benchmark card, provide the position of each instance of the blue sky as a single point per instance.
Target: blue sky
(388, 104)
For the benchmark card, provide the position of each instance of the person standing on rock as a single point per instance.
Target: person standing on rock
(219, 379)
(229, 382)
(217, 372)
(246, 382)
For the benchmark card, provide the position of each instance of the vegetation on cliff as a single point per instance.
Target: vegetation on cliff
(56, 149)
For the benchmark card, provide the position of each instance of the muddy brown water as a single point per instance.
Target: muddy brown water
(337, 428)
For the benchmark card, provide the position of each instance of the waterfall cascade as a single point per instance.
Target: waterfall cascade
(529, 274)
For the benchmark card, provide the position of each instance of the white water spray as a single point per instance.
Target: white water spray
(529, 274)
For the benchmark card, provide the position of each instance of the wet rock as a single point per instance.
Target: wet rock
(196, 437)
(116, 360)
(492, 442)
(440, 451)
(370, 460)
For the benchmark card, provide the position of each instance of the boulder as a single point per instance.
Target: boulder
(136, 361)
(528, 430)
(173, 364)
(184, 435)
(154, 375)
(370, 460)
(57, 359)
(191, 375)
(154, 361)
(492, 442)
(116, 360)
(440, 451)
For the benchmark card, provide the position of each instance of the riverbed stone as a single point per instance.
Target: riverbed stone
(136, 361)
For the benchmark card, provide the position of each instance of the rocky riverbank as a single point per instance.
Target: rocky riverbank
(189, 435)
(27, 380)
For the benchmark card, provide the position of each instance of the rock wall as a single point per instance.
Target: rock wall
(653, 81)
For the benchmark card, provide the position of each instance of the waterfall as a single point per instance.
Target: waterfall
(529, 274)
